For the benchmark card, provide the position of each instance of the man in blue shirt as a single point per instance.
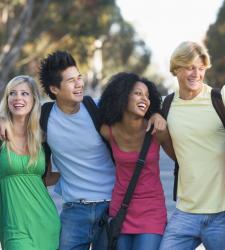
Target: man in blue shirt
(78, 152)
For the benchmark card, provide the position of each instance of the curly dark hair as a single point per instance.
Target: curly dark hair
(51, 68)
(114, 99)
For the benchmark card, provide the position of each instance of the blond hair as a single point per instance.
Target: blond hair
(34, 135)
(186, 53)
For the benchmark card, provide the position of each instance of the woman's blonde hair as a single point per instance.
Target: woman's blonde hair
(34, 135)
(186, 53)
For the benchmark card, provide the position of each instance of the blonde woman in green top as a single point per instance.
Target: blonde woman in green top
(28, 216)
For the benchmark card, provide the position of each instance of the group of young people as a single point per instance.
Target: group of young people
(89, 181)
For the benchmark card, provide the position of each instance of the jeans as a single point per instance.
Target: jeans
(185, 231)
(139, 242)
(81, 227)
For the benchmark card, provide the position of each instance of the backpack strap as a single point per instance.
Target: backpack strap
(219, 107)
(166, 105)
(165, 111)
(89, 105)
(45, 112)
(94, 112)
(47, 152)
(175, 182)
(218, 104)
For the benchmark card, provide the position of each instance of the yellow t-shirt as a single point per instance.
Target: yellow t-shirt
(198, 138)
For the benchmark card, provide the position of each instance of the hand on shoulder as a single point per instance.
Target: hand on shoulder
(158, 121)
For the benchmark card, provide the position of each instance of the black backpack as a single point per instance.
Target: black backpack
(219, 107)
(92, 110)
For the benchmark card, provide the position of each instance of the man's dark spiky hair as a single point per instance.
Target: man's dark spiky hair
(51, 68)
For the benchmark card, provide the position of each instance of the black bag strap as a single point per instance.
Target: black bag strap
(175, 182)
(165, 111)
(45, 112)
(166, 105)
(47, 152)
(133, 182)
(94, 112)
(139, 166)
(219, 107)
(89, 105)
(113, 230)
(218, 104)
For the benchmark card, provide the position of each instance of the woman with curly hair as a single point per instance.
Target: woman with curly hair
(28, 216)
(126, 105)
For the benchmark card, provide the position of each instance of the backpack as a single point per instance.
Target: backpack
(93, 111)
(219, 107)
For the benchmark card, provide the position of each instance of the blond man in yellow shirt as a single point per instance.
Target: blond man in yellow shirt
(198, 138)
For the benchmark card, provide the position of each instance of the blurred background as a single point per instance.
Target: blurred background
(107, 36)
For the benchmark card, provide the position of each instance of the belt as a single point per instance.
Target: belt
(86, 202)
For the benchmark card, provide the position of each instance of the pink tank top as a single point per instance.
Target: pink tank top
(147, 210)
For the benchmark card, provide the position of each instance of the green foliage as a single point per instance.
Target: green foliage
(215, 42)
(72, 25)
(126, 51)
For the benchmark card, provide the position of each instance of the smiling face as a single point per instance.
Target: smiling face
(20, 100)
(191, 78)
(71, 87)
(138, 101)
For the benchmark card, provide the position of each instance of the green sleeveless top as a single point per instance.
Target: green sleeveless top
(28, 216)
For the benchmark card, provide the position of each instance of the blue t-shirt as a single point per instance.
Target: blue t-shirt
(80, 155)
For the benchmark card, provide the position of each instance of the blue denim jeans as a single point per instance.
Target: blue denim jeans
(188, 230)
(139, 242)
(81, 227)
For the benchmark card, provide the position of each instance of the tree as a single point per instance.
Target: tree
(215, 41)
(17, 21)
(129, 52)
(30, 29)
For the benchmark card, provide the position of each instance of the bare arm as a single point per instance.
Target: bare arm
(158, 121)
(165, 140)
(51, 177)
(104, 130)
